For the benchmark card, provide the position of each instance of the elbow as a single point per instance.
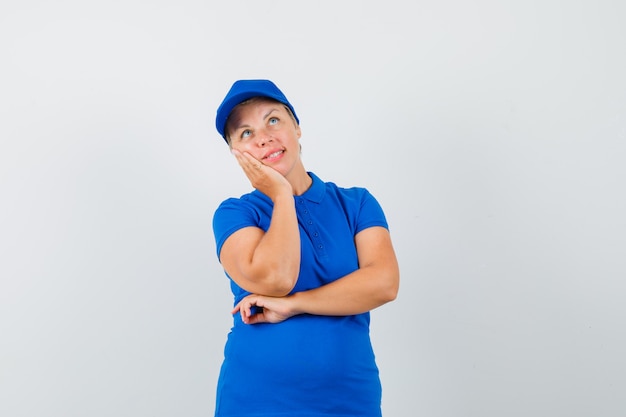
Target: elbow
(392, 285)
(282, 287)
(281, 283)
(392, 295)
(277, 278)
(389, 295)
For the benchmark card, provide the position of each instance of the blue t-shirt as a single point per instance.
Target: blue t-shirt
(307, 365)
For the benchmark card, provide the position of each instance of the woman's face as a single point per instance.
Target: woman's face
(268, 131)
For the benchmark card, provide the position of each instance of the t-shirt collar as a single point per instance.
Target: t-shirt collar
(315, 193)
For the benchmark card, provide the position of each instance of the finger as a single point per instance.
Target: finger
(239, 308)
(245, 312)
(257, 318)
(245, 165)
(236, 308)
(251, 161)
(242, 314)
(238, 156)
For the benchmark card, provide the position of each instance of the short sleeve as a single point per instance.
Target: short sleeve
(370, 213)
(233, 214)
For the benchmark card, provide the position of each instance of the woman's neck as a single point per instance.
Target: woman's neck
(300, 181)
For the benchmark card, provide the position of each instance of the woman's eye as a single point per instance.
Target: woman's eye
(273, 120)
(245, 134)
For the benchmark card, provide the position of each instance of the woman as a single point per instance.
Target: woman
(307, 261)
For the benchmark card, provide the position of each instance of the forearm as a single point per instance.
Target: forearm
(375, 283)
(359, 292)
(276, 258)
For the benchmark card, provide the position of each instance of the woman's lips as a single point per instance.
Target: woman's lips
(273, 155)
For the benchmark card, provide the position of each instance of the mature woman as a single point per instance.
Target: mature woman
(307, 261)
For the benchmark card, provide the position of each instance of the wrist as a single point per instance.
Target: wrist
(284, 197)
(296, 306)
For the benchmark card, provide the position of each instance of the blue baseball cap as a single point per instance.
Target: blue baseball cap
(243, 90)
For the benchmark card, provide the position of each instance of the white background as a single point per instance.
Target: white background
(492, 132)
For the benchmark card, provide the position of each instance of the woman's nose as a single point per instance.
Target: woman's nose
(264, 137)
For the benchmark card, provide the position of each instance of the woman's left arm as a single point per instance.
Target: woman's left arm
(375, 283)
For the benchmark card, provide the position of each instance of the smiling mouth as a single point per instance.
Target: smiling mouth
(274, 154)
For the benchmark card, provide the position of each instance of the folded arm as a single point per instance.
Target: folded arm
(375, 283)
(265, 262)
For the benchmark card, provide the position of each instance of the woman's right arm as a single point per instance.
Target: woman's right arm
(265, 263)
